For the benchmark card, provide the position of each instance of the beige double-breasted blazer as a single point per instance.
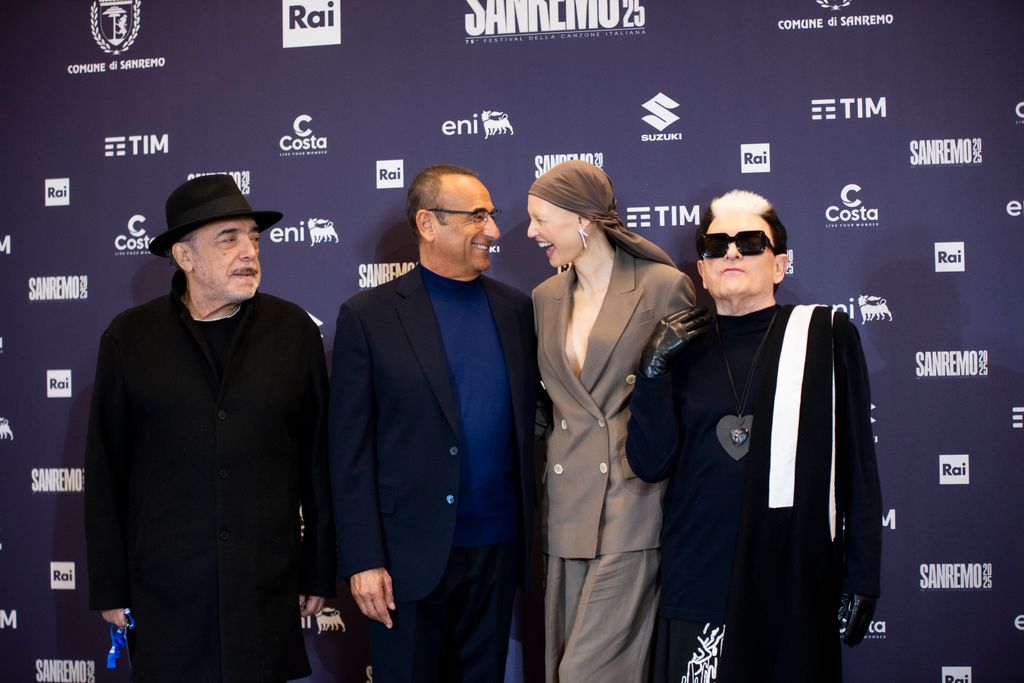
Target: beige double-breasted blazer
(593, 504)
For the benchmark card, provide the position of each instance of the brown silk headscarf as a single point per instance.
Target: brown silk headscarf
(586, 190)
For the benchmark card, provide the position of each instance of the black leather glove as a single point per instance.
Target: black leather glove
(672, 333)
(855, 612)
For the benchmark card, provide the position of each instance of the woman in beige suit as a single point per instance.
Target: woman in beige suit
(601, 524)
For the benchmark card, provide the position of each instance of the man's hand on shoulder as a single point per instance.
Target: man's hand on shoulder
(372, 592)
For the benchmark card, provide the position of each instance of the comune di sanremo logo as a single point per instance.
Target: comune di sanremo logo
(115, 24)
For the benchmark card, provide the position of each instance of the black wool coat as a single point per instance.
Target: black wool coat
(194, 485)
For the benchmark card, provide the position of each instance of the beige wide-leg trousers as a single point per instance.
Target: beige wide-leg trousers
(599, 615)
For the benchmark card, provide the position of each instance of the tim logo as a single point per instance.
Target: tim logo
(755, 158)
(949, 257)
(115, 24)
(321, 230)
(141, 145)
(672, 216)
(954, 469)
(62, 576)
(956, 674)
(5, 430)
(305, 23)
(57, 192)
(390, 174)
(494, 123)
(847, 108)
(58, 384)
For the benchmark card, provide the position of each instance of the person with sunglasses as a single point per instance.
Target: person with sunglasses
(600, 523)
(760, 420)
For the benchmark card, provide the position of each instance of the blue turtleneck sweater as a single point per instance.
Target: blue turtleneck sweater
(487, 510)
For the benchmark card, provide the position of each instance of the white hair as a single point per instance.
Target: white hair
(740, 201)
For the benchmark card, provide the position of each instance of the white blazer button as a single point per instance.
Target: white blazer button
(557, 469)
(630, 379)
(603, 468)
(543, 386)
(600, 423)
(565, 425)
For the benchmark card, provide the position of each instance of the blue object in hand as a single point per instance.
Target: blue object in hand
(119, 640)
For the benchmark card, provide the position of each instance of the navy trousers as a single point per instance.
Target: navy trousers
(460, 631)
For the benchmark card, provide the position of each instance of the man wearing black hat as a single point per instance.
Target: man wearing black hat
(206, 435)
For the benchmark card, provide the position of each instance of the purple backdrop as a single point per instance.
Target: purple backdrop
(888, 134)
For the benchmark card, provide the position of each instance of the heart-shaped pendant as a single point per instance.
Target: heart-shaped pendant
(733, 433)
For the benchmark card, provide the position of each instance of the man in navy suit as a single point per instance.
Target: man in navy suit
(431, 440)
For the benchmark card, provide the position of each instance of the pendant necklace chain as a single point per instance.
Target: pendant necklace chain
(737, 431)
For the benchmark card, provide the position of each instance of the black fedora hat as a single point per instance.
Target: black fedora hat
(204, 200)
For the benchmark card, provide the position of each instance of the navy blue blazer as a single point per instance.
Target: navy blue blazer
(394, 433)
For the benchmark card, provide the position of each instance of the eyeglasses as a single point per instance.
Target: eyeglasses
(748, 243)
(478, 216)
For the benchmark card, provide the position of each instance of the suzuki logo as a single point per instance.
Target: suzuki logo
(660, 117)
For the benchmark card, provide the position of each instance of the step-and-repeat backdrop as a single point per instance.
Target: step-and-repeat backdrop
(889, 135)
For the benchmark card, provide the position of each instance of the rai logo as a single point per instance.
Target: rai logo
(115, 24)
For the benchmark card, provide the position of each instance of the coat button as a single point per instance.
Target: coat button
(224, 535)
(453, 451)
(600, 423)
(543, 386)
(450, 499)
(630, 379)
(222, 473)
(565, 425)
(221, 415)
(603, 467)
(557, 469)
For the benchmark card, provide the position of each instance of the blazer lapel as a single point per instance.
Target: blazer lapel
(511, 335)
(416, 314)
(556, 322)
(617, 310)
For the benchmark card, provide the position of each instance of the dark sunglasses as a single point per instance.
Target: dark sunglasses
(748, 243)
